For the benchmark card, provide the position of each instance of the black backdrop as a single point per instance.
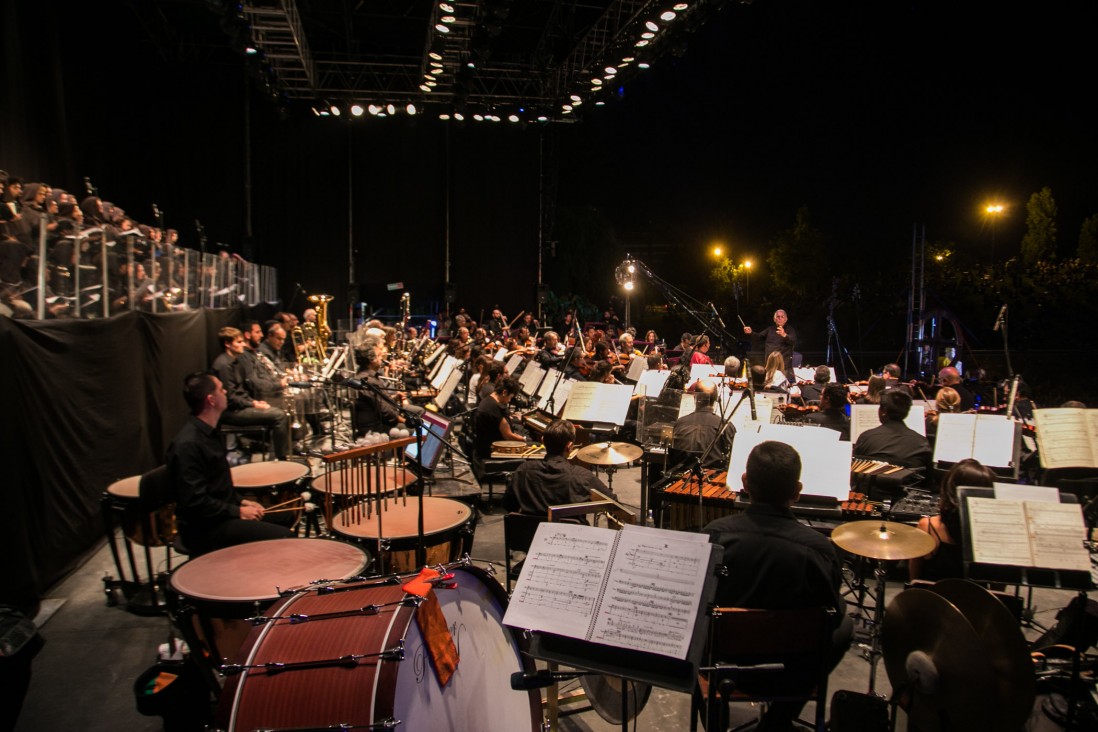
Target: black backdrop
(90, 402)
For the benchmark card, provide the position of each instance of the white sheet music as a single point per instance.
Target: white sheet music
(808, 373)
(687, 405)
(1028, 533)
(652, 381)
(447, 389)
(444, 371)
(637, 366)
(531, 378)
(560, 396)
(865, 417)
(705, 371)
(500, 354)
(652, 594)
(594, 402)
(988, 438)
(998, 531)
(512, 364)
(638, 589)
(825, 461)
(727, 400)
(1067, 437)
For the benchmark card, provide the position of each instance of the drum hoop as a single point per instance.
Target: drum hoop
(241, 471)
(372, 523)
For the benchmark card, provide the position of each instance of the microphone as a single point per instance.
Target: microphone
(999, 318)
(716, 315)
(523, 681)
(352, 383)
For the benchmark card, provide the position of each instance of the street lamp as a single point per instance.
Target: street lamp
(747, 277)
(626, 276)
(994, 211)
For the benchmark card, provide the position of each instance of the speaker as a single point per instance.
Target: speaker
(451, 293)
(543, 294)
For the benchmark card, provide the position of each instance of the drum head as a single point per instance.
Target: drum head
(401, 519)
(340, 483)
(267, 474)
(261, 570)
(126, 488)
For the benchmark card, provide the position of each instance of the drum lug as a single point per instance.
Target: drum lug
(394, 654)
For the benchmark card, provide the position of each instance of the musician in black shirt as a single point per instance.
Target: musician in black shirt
(210, 513)
(490, 418)
(539, 484)
(778, 337)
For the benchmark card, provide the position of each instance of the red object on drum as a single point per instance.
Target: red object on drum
(421, 585)
(436, 634)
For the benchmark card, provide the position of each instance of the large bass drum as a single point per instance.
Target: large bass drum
(339, 667)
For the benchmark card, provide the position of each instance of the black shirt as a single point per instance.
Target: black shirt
(200, 479)
(895, 443)
(695, 432)
(833, 420)
(487, 418)
(775, 563)
(539, 484)
(230, 370)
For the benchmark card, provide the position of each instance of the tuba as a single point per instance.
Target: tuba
(323, 332)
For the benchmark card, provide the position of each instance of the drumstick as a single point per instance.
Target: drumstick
(741, 320)
(284, 503)
(282, 510)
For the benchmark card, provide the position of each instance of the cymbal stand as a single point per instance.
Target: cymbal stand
(872, 651)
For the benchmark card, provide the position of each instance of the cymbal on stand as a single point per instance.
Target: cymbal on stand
(883, 540)
(935, 659)
(609, 453)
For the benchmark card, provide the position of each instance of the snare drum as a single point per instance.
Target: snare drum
(373, 690)
(218, 590)
(271, 483)
(447, 530)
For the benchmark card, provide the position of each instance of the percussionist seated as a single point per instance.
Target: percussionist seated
(774, 562)
(539, 484)
(211, 515)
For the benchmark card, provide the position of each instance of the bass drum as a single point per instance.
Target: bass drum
(333, 670)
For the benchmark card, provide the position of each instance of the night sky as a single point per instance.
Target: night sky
(876, 116)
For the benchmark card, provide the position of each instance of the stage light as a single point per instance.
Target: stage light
(576, 98)
(667, 15)
(448, 19)
(373, 109)
(625, 274)
(717, 251)
(251, 50)
(410, 109)
(644, 65)
(390, 109)
(994, 208)
(459, 116)
(436, 72)
(679, 7)
(435, 55)
(446, 7)
(628, 60)
(425, 88)
(646, 35)
(335, 111)
(610, 70)
(513, 118)
(641, 43)
(478, 117)
(357, 110)
(596, 81)
(436, 64)
(444, 116)
(432, 83)
(441, 28)
(566, 107)
(652, 26)
(543, 118)
(747, 264)
(628, 285)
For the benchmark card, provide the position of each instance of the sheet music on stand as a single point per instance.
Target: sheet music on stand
(825, 460)
(443, 373)
(1029, 542)
(434, 356)
(594, 402)
(554, 378)
(629, 603)
(512, 364)
(651, 382)
(992, 439)
(500, 355)
(637, 366)
(447, 389)
(865, 417)
(741, 420)
(808, 373)
(531, 378)
(1067, 437)
(699, 371)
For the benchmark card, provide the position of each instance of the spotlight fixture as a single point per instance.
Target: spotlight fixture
(459, 116)
(513, 118)
(596, 81)
(424, 88)
(444, 116)
(448, 19)
(251, 50)
(679, 7)
(576, 98)
(651, 26)
(667, 15)
(446, 7)
(478, 117)
(610, 70)
(357, 110)
(644, 65)
(410, 109)
(435, 55)
(647, 35)
(373, 109)
(641, 43)
(442, 28)
(390, 109)
(335, 111)
(626, 273)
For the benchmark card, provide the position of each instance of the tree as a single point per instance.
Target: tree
(1039, 243)
(797, 257)
(1088, 240)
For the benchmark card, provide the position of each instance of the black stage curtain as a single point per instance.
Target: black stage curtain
(93, 401)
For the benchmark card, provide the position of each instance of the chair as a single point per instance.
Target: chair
(764, 655)
(260, 433)
(486, 472)
(518, 534)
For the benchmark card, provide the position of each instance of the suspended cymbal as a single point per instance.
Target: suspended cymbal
(936, 663)
(1003, 644)
(883, 540)
(609, 453)
(604, 693)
